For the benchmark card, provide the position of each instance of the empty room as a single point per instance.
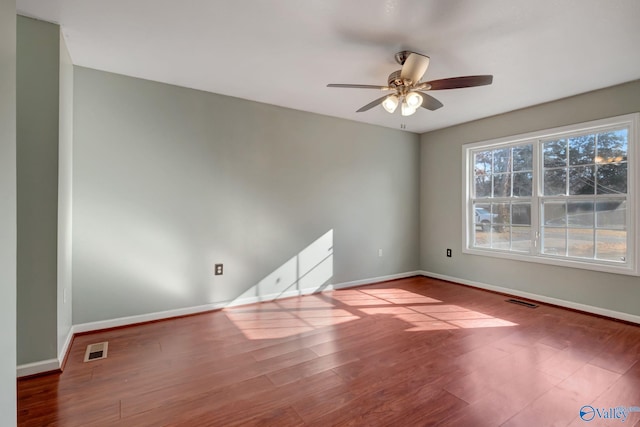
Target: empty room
(290, 213)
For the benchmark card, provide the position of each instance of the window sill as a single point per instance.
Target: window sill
(587, 264)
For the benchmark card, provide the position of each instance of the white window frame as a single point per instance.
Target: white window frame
(632, 264)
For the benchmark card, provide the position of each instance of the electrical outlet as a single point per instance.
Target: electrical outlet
(218, 270)
(379, 252)
(449, 253)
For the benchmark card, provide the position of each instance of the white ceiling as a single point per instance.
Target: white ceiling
(284, 52)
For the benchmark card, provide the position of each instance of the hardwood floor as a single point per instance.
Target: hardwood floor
(416, 351)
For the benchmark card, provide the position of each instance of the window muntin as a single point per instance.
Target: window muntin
(504, 172)
(502, 192)
(560, 196)
(592, 163)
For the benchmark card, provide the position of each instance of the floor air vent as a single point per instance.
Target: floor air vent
(523, 303)
(96, 351)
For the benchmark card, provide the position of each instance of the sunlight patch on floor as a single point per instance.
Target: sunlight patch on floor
(295, 316)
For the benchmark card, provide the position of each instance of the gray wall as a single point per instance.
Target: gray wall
(65, 200)
(8, 212)
(37, 177)
(441, 205)
(168, 181)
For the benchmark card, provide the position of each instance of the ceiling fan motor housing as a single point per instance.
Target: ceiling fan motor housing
(400, 85)
(394, 79)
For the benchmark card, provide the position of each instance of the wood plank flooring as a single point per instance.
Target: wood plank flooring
(415, 351)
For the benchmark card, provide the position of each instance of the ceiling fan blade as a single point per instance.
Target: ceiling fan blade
(358, 86)
(414, 67)
(430, 103)
(371, 104)
(460, 82)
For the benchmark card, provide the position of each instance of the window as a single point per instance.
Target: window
(562, 196)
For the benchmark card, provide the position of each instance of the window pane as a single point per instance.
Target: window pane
(554, 241)
(554, 214)
(580, 214)
(555, 153)
(483, 189)
(522, 184)
(612, 178)
(483, 186)
(611, 214)
(521, 239)
(501, 214)
(483, 216)
(500, 238)
(611, 245)
(502, 185)
(501, 160)
(582, 150)
(523, 158)
(482, 171)
(521, 214)
(555, 182)
(581, 180)
(482, 162)
(612, 146)
(482, 238)
(482, 222)
(580, 242)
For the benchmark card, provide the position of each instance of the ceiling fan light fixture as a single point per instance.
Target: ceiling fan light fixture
(406, 109)
(414, 100)
(390, 103)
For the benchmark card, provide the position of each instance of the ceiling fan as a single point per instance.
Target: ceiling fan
(408, 91)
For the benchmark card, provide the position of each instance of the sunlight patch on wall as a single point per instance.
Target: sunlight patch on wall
(315, 263)
(306, 272)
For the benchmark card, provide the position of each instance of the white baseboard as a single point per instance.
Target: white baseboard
(53, 364)
(65, 347)
(49, 365)
(271, 297)
(130, 320)
(149, 317)
(37, 367)
(541, 298)
(373, 280)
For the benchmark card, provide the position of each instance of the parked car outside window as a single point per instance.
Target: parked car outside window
(484, 218)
